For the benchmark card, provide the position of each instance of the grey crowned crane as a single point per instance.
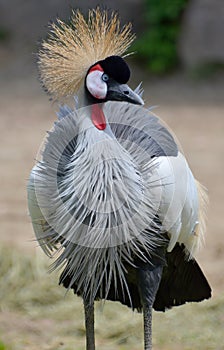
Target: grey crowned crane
(112, 194)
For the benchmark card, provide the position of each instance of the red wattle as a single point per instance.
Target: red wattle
(98, 117)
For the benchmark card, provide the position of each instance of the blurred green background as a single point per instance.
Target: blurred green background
(179, 56)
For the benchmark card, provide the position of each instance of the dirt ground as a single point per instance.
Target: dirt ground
(193, 109)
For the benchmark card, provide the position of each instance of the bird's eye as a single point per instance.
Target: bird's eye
(105, 77)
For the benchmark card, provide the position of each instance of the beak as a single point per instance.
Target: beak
(122, 92)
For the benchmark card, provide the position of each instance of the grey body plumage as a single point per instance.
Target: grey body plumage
(104, 215)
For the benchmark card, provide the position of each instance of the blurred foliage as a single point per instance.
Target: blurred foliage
(157, 47)
(206, 70)
(4, 35)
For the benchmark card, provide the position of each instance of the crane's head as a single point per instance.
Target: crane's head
(87, 52)
(106, 81)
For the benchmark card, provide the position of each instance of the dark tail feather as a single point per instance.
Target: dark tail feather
(182, 281)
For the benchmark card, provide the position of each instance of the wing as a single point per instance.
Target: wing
(39, 222)
(44, 233)
(181, 198)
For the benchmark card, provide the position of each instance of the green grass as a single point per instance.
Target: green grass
(2, 346)
(41, 316)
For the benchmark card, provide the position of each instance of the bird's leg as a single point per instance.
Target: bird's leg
(147, 316)
(149, 277)
(89, 324)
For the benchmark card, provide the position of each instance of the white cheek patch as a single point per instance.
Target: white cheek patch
(95, 85)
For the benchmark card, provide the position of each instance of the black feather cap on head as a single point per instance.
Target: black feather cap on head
(116, 68)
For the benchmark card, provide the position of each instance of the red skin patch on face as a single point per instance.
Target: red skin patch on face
(95, 85)
(96, 67)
